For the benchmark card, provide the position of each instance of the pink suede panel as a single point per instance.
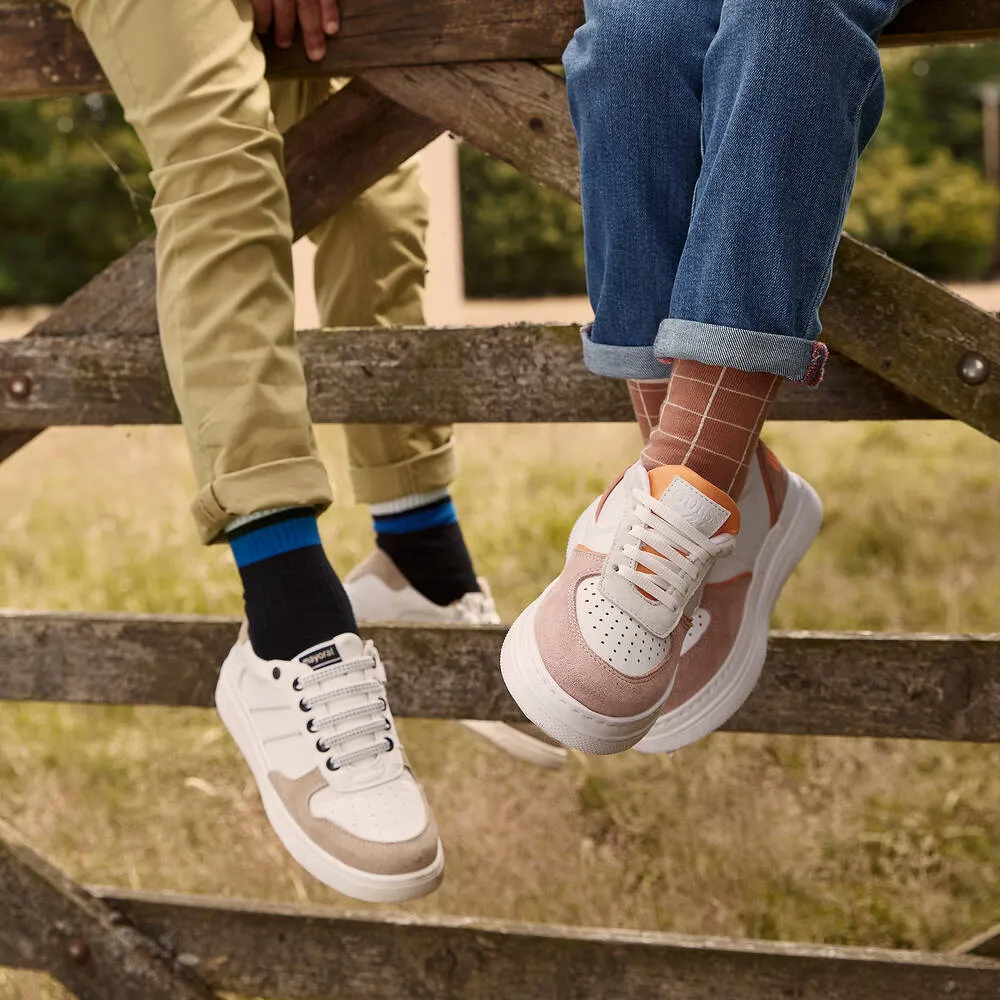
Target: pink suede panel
(580, 672)
(724, 602)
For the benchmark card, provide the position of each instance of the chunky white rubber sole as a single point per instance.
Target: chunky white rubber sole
(551, 709)
(353, 882)
(720, 699)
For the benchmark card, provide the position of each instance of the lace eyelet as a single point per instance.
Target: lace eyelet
(296, 686)
(390, 744)
(388, 725)
(322, 747)
(330, 766)
(384, 704)
(310, 727)
(303, 706)
(276, 673)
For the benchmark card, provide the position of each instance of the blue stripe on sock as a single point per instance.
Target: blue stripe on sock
(274, 539)
(432, 516)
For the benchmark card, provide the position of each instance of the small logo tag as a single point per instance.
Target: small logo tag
(701, 511)
(321, 657)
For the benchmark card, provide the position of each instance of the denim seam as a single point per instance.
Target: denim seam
(845, 198)
(635, 361)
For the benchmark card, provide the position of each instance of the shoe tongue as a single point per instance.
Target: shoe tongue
(694, 500)
(346, 646)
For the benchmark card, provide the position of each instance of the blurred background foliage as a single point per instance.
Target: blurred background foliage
(921, 193)
(74, 191)
(74, 195)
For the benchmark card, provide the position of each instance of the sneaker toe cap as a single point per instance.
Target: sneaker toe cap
(384, 830)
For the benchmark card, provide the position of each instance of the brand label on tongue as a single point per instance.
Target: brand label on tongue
(321, 657)
(697, 509)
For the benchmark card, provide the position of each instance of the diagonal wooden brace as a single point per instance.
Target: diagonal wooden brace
(515, 111)
(902, 326)
(54, 924)
(42, 53)
(916, 334)
(986, 944)
(907, 329)
(348, 143)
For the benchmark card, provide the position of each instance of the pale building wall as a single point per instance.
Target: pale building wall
(445, 303)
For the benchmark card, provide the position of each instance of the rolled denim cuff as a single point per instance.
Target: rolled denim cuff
(620, 361)
(794, 358)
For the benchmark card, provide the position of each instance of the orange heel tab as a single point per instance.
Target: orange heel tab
(661, 477)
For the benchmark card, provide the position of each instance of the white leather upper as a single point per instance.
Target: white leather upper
(755, 523)
(700, 621)
(377, 798)
(385, 813)
(615, 636)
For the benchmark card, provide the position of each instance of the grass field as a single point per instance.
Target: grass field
(862, 842)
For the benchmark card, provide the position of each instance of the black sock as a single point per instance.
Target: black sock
(294, 598)
(434, 560)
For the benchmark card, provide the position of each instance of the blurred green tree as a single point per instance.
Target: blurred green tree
(938, 215)
(520, 239)
(74, 195)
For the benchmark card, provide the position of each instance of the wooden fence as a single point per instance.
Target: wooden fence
(904, 347)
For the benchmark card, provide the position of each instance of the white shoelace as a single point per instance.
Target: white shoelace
(681, 556)
(372, 711)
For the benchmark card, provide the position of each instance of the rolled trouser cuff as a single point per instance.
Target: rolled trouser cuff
(797, 359)
(619, 361)
(432, 470)
(293, 482)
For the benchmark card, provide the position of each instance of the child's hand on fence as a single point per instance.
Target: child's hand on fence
(318, 19)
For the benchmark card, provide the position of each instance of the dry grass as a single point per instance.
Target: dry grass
(866, 842)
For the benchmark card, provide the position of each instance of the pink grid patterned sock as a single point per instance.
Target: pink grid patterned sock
(647, 400)
(711, 421)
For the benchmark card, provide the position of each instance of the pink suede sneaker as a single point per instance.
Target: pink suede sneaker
(592, 660)
(725, 648)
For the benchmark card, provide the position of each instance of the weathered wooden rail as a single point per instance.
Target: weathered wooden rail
(905, 348)
(938, 687)
(412, 375)
(42, 53)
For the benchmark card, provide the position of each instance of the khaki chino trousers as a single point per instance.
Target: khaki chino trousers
(190, 76)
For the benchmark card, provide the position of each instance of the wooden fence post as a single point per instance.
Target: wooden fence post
(55, 924)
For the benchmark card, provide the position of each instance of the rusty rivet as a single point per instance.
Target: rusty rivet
(536, 124)
(973, 368)
(19, 386)
(77, 950)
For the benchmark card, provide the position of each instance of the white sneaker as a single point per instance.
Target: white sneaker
(320, 740)
(379, 592)
(725, 648)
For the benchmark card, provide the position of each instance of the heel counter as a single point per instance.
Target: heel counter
(775, 477)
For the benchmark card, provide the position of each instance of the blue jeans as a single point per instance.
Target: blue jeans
(719, 141)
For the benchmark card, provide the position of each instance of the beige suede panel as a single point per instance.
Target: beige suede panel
(573, 665)
(379, 564)
(724, 602)
(401, 858)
